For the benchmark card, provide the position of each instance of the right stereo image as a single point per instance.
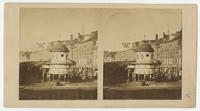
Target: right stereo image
(143, 58)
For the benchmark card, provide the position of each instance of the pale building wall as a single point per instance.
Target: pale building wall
(41, 55)
(128, 55)
(85, 54)
(170, 54)
(144, 57)
(59, 57)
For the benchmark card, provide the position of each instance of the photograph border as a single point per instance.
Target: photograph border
(11, 61)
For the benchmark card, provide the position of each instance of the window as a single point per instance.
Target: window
(62, 55)
(147, 55)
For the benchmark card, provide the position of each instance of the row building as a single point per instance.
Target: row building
(169, 53)
(84, 53)
(82, 50)
(166, 49)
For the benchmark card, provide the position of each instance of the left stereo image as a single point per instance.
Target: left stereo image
(58, 54)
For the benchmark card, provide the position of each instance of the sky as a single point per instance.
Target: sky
(114, 25)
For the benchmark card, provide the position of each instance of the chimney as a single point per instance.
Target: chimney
(156, 37)
(71, 37)
(164, 35)
(80, 37)
(134, 45)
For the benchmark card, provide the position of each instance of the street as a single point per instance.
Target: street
(49, 91)
(165, 90)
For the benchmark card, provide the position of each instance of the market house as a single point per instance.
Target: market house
(59, 67)
(146, 67)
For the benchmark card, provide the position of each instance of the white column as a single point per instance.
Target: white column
(48, 77)
(150, 77)
(128, 75)
(65, 77)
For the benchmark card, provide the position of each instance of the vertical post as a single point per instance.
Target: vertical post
(42, 74)
(65, 77)
(58, 77)
(53, 76)
(177, 72)
(83, 73)
(132, 75)
(92, 73)
(144, 77)
(150, 77)
(49, 77)
(86, 70)
(128, 76)
(72, 52)
(139, 77)
(136, 77)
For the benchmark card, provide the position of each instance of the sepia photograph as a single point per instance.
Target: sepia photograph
(58, 54)
(100, 55)
(145, 58)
